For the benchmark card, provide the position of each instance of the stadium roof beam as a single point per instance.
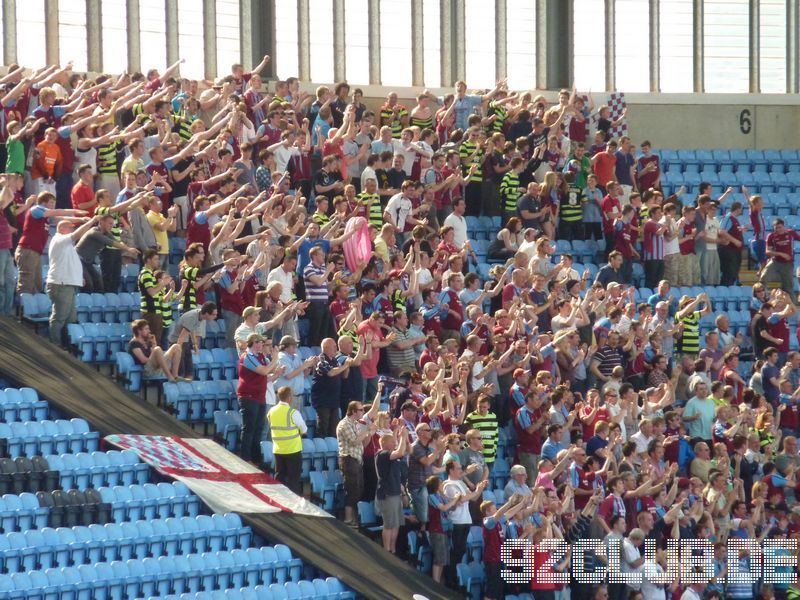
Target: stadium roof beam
(10, 31)
(755, 47)
(459, 41)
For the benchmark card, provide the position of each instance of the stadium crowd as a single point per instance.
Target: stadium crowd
(626, 422)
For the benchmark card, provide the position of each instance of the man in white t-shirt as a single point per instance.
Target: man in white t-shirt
(457, 221)
(672, 250)
(455, 488)
(632, 559)
(65, 274)
(284, 150)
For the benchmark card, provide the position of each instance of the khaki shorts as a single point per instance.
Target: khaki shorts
(440, 548)
(391, 509)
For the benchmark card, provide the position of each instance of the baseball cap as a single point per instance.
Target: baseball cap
(519, 373)
(287, 341)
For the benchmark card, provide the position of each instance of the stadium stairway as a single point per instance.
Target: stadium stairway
(113, 532)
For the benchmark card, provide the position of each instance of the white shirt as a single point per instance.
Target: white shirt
(407, 153)
(297, 418)
(712, 231)
(529, 248)
(650, 590)
(65, 264)
(424, 277)
(459, 515)
(459, 225)
(671, 246)
(399, 207)
(690, 594)
(283, 155)
(630, 554)
(641, 445)
(286, 281)
(367, 173)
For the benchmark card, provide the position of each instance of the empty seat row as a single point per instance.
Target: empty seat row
(22, 404)
(98, 342)
(156, 576)
(199, 400)
(107, 308)
(24, 474)
(19, 512)
(69, 546)
(216, 364)
(70, 508)
(322, 589)
(321, 454)
(30, 438)
(99, 469)
(150, 501)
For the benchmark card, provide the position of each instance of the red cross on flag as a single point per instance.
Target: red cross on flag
(222, 480)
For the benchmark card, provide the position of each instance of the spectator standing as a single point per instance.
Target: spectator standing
(781, 256)
(194, 323)
(454, 487)
(255, 372)
(388, 464)
(287, 427)
(64, 276)
(351, 436)
(326, 383)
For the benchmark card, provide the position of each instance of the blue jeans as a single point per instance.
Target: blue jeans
(759, 250)
(419, 503)
(254, 418)
(7, 284)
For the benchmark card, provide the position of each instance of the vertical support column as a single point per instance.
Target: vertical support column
(304, 39)
(460, 41)
(94, 35)
(10, 31)
(51, 32)
(655, 46)
(446, 43)
(339, 63)
(611, 45)
(755, 47)
(374, 33)
(257, 34)
(792, 46)
(171, 15)
(500, 39)
(417, 44)
(134, 40)
(698, 52)
(210, 38)
(554, 40)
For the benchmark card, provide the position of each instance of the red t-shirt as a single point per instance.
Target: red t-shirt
(611, 208)
(604, 166)
(81, 194)
(369, 367)
(782, 242)
(623, 241)
(602, 414)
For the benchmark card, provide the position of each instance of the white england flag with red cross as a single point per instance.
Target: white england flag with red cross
(220, 478)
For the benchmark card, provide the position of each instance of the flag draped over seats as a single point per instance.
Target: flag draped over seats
(221, 479)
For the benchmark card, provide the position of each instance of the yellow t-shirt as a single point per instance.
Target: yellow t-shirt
(155, 218)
